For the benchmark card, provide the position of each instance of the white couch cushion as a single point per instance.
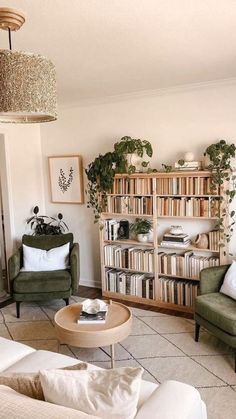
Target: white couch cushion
(107, 394)
(229, 284)
(45, 260)
(17, 406)
(39, 360)
(12, 352)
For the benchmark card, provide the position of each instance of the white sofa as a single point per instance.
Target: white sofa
(170, 400)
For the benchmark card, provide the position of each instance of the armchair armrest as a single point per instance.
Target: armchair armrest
(74, 267)
(211, 279)
(14, 264)
(173, 400)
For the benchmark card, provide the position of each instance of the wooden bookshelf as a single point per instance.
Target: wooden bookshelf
(162, 197)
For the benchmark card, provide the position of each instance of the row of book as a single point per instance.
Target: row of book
(178, 292)
(187, 207)
(138, 186)
(128, 283)
(184, 265)
(111, 229)
(130, 205)
(185, 186)
(129, 258)
(214, 240)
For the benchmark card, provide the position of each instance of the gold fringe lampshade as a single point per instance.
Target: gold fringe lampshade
(27, 82)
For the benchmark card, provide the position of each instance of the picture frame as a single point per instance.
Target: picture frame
(66, 179)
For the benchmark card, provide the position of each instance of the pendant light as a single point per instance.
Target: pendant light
(27, 81)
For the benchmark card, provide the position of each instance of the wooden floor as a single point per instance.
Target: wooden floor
(88, 292)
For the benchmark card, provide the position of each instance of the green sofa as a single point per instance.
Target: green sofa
(214, 310)
(44, 285)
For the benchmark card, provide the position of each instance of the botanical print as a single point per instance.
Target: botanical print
(66, 179)
(63, 182)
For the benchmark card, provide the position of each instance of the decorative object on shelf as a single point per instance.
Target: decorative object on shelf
(66, 179)
(43, 224)
(141, 228)
(201, 241)
(223, 181)
(27, 81)
(123, 230)
(102, 170)
(189, 156)
(176, 230)
(183, 164)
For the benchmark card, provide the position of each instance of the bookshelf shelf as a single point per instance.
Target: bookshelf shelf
(180, 192)
(195, 249)
(130, 242)
(177, 276)
(129, 270)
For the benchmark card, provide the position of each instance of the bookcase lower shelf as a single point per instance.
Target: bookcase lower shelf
(147, 301)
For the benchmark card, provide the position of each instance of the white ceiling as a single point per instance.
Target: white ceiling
(111, 47)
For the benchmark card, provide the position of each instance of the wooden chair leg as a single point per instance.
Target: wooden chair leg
(197, 330)
(67, 301)
(18, 309)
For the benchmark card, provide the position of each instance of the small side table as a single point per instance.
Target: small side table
(116, 328)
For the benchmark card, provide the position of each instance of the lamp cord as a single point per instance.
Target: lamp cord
(9, 37)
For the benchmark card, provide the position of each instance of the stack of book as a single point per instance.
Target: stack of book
(189, 165)
(173, 240)
(88, 318)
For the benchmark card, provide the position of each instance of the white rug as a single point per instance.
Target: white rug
(163, 345)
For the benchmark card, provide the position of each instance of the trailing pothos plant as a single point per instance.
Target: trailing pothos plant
(102, 170)
(223, 181)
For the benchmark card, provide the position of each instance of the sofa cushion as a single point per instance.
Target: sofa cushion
(29, 383)
(12, 352)
(219, 310)
(40, 360)
(107, 394)
(229, 284)
(38, 260)
(47, 242)
(17, 406)
(38, 282)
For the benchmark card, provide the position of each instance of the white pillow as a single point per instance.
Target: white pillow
(104, 393)
(45, 260)
(229, 285)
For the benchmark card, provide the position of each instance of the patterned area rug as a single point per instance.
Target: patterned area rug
(163, 345)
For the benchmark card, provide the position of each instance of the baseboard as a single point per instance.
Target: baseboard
(88, 283)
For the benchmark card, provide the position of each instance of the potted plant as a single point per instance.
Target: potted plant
(141, 228)
(220, 155)
(102, 170)
(42, 224)
(134, 151)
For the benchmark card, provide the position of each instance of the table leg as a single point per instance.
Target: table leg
(112, 356)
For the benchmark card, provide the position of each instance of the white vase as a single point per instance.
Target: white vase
(142, 238)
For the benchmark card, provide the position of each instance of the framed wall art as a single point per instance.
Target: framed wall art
(66, 179)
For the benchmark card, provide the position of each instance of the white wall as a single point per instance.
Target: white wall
(22, 177)
(174, 122)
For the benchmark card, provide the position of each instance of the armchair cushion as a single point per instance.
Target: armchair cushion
(38, 260)
(41, 282)
(229, 285)
(219, 310)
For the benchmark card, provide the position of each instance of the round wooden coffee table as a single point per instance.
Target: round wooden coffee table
(116, 328)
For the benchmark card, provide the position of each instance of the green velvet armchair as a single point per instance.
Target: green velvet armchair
(214, 310)
(44, 285)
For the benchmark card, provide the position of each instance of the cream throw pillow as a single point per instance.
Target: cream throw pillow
(45, 260)
(17, 406)
(104, 393)
(229, 285)
(29, 383)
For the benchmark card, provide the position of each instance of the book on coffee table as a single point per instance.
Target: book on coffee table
(88, 318)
